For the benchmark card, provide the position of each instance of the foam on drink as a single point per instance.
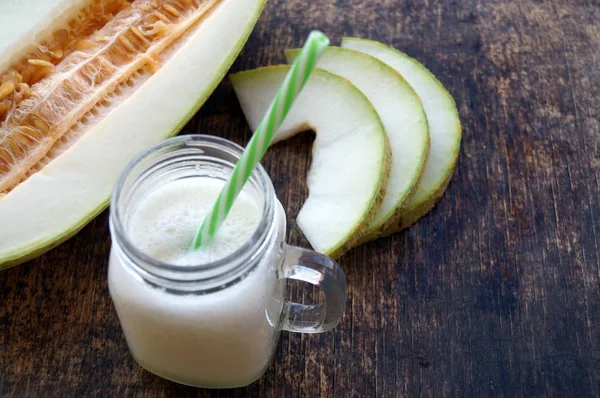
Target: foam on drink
(166, 220)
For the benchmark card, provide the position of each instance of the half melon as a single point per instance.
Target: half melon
(85, 86)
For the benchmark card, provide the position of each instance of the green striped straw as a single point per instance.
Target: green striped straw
(295, 80)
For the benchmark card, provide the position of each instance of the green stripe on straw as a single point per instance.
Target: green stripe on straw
(295, 80)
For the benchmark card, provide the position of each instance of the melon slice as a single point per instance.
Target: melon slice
(350, 156)
(444, 127)
(403, 117)
(134, 82)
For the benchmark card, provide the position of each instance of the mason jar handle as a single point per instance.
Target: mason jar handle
(319, 270)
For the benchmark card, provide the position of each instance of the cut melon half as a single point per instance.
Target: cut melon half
(100, 100)
(350, 156)
(403, 117)
(444, 127)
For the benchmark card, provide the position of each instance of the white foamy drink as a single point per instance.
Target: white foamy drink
(223, 338)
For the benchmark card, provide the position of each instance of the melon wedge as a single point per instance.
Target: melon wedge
(403, 117)
(444, 127)
(350, 156)
(56, 200)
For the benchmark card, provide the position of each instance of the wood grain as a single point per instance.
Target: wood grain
(494, 293)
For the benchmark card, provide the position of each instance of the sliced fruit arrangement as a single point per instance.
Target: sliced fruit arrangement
(420, 120)
(351, 155)
(403, 117)
(444, 127)
(88, 85)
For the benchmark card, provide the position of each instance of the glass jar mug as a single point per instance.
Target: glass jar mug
(215, 324)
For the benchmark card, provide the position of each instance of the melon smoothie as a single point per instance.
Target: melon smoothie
(209, 317)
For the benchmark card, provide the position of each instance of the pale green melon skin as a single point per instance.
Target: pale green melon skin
(32, 249)
(427, 195)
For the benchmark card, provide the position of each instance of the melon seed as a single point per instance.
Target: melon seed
(84, 44)
(6, 88)
(171, 10)
(57, 53)
(5, 159)
(125, 41)
(161, 16)
(31, 132)
(23, 138)
(139, 34)
(40, 62)
(40, 124)
(13, 146)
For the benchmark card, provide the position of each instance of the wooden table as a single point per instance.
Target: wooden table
(494, 293)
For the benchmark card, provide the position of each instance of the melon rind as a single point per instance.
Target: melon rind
(55, 203)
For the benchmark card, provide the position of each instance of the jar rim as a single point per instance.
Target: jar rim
(255, 241)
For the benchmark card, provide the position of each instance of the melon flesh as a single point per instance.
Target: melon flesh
(350, 156)
(403, 117)
(444, 128)
(133, 112)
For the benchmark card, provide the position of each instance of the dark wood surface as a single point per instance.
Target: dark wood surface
(494, 293)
